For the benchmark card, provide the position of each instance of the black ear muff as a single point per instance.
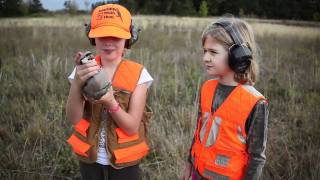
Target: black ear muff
(240, 55)
(87, 28)
(134, 36)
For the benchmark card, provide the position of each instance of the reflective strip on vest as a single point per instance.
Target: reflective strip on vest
(213, 134)
(82, 127)
(131, 153)
(78, 146)
(252, 90)
(213, 175)
(124, 138)
(204, 125)
(240, 136)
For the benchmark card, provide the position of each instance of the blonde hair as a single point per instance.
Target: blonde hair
(217, 32)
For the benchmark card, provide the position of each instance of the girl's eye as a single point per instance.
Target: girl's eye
(213, 52)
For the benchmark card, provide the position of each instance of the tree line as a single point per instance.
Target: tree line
(9, 8)
(269, 9)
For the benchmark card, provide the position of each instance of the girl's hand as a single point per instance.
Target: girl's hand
(84, 71)
(187, 172)
(108, 99)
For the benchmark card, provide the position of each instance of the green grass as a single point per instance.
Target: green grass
(36, 58)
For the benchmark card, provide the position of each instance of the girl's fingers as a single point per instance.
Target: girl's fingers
(85, 71)
(83, 75)
(77, 57)
(89, 64)
(82, 72)
(88, 75)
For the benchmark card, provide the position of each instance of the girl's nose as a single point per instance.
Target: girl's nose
(206, 58)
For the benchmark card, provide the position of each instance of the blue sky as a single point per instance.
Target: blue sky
(58, 4)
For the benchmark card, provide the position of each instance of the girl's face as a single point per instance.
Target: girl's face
(111, 48)
(215, 57)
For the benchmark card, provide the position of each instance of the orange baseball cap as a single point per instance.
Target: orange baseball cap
(110, 20)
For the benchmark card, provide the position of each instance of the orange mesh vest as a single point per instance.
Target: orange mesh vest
(219, 148)
(123, 150)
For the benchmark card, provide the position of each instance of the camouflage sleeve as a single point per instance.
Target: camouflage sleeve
(257, 140)
(198, 116)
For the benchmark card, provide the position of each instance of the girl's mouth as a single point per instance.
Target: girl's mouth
(109, 49)
(209, 67)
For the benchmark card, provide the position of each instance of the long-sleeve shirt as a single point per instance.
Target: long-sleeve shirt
(255, 127)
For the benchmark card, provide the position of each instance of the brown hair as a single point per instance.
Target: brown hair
(220, 34)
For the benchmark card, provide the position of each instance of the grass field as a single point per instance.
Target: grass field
(36, 58)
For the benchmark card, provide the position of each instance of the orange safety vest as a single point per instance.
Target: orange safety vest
(219, 148)
(123, 150)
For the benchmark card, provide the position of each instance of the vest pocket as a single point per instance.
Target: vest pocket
(225, 163)
(130, 154)
(82, 127)
(124, 138)
(78, 146)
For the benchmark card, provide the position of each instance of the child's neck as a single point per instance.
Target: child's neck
(110, 64)
(227, 79)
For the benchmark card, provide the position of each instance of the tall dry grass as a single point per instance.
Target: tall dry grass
(36, 58)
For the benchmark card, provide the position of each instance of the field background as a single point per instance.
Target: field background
(36, 58)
